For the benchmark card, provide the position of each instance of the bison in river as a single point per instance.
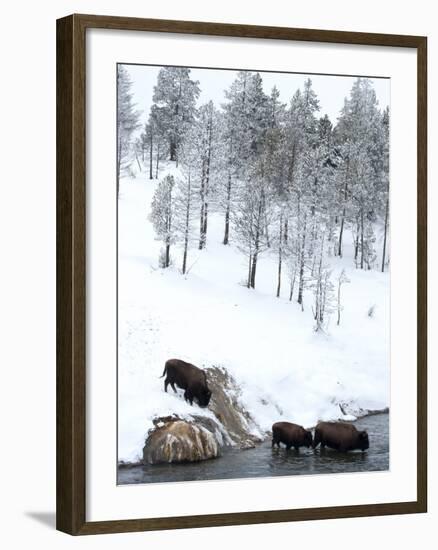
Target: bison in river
(291, 435)
(189, 378)
(340, 436)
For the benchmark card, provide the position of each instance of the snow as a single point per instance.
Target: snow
(285, 370)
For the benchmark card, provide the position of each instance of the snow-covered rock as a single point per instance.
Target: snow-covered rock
(200, 436)
(180, 441)
(238, 424)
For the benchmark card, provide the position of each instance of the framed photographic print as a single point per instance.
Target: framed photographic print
(241, 274)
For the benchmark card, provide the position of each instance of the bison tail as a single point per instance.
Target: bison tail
(164, 371)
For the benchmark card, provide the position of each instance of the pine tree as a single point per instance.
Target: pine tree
(246, 120)
(206, 127)
(175, 96)
(127, 122)
(385, 181)
(360, 137)
(323, 298)
(187, 192)
(185, 201)
(249, 220)
(301, 136)
(162, 216)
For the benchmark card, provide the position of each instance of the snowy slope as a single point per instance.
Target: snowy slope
(285, 369)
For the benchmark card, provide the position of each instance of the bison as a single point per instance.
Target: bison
(340, 436)
(189, 378)
(291, 435)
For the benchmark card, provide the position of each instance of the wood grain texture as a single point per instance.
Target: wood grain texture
(71, 270)
(70, 279)
(422, 275)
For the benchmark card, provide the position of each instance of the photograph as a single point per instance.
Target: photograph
(253, 274)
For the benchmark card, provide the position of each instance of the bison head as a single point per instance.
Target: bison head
(308, 439)
(204, 397)
(363, 440)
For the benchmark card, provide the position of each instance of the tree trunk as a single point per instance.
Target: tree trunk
(172, 150)
(167, 259)
(302, 257)
(255, 256)
(341, 232)
(157, 160)
(384, 235)
(253, 269)
(292, 285)
(186, 228)
(205, 221)
(184, 257)
(286, 230)
(248, 281)
(207, 183)
(151, 144)
(227, 212)
(356, 241)
(202, 211)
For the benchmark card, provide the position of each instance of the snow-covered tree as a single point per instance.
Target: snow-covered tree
(284, 178)
(362, 173)
(175, 96)
(385, 181)
(206, 128)
(323, 289)
(127, 122)
(246, 119)
(162, 216)
(249, 220)
(185, 201)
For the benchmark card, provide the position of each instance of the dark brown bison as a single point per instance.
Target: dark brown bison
(340, 436)
(291, 435)
(189, 378)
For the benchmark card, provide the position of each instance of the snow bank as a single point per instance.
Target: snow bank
(284, 369)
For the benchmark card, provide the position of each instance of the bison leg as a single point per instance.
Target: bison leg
(188, 396)
(275, 441)
(297, 449)
(166, 383)
(173, 387)
(316, 439)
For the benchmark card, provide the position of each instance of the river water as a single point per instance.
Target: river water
(263, 461)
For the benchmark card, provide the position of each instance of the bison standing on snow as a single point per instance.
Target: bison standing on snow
(189, 378)
(340, 436)
(291, 435)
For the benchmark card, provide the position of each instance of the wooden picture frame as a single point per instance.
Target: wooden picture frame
(71, 273)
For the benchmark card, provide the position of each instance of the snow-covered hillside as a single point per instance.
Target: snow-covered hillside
(207, 317)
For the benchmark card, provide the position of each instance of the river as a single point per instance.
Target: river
(263, 461)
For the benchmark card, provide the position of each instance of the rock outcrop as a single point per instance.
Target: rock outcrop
(227, 407)
(176, 440)
(201, 436)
